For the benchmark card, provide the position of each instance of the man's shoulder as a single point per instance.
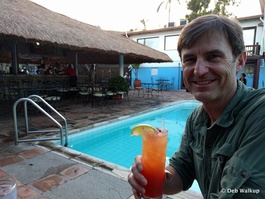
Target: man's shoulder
(252, 102)
(255, 95)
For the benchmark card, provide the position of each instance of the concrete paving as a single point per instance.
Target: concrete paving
(43, 170)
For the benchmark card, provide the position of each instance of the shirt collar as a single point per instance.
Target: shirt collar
(227, 117)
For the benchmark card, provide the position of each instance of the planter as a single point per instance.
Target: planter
(137, 83)
(117, 97)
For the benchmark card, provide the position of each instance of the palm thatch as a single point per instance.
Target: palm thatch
(27, 22)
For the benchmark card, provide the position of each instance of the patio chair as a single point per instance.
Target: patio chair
(158, 88)
(85, 94)
(171, 83)
(99, 96)
(138, 89)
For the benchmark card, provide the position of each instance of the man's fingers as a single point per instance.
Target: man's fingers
(137, 188)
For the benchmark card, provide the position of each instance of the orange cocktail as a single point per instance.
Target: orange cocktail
(153, 160)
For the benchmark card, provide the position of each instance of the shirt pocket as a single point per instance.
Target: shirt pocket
(222, 155)
(197, 150)
(235, 173)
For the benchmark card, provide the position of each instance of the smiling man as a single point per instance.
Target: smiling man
(224, 139)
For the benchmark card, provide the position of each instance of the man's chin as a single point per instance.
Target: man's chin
(202, 96)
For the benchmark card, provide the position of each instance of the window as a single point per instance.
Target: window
(150, 42)
(249, 35)
(171, 42)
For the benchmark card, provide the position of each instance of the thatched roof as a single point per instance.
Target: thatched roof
(28, 22)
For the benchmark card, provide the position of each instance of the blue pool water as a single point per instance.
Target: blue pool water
(113, 143)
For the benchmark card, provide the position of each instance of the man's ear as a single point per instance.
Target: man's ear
(241, 61)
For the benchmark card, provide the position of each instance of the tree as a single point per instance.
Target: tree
(135, 68)
(201, 7)
(168, 6)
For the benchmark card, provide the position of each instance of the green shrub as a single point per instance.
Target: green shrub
(118, 84)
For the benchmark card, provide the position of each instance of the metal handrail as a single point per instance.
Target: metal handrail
(29, 99)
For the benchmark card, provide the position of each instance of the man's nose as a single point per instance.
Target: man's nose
(200, 68)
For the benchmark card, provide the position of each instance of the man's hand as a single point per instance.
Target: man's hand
(136, 179)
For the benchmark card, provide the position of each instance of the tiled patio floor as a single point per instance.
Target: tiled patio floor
(43, 173)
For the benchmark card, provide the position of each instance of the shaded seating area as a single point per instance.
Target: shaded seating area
(63, 40)
(105, 93)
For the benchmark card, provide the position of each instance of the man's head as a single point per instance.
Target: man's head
(243, 74)
(208, 24)
(212, 52)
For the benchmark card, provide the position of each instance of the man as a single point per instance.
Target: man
(224, 139)
(127, 78)
(243, 78)
(72, 75)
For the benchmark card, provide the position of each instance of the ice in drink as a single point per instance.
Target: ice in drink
(153, 160)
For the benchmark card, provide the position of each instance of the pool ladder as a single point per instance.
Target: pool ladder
(33, 99)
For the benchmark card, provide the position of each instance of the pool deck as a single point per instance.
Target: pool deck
(42, 170)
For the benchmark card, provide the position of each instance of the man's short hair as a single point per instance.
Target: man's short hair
(210, 24)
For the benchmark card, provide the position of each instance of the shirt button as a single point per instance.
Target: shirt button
(243, 174)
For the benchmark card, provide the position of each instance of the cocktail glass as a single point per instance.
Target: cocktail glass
(8, 189)
(153, 160)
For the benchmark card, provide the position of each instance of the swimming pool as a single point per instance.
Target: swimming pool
(112, 141)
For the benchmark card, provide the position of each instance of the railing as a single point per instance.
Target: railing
(63, 133)
(252, 49)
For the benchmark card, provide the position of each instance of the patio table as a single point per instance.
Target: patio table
(163, 82)
(148, 88)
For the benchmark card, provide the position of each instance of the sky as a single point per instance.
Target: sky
(124, 15)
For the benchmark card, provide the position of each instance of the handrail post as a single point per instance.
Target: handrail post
(26, 117)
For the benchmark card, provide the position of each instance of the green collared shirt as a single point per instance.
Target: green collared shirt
(228, 158)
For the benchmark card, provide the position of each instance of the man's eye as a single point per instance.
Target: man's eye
(189, 60)
(213, 56)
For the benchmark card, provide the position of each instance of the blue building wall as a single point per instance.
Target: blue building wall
(262, 76)
(172, 74)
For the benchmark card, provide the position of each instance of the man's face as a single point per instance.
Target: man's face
(209, 69)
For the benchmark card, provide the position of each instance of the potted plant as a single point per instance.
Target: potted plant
(118, 84)
(137, 82)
